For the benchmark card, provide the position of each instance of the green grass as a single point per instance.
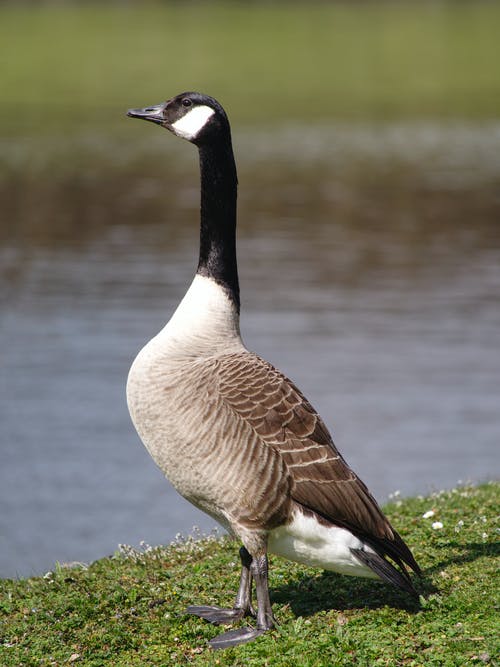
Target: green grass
(127, 610)
(68, 67)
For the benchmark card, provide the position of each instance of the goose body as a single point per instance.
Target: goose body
(233, 434)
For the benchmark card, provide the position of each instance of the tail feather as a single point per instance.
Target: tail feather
(398, 550)
(386, 570)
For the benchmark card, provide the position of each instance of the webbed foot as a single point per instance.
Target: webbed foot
(217, 615)
(252, 568)
(235, 637)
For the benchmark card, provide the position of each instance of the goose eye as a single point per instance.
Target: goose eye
(186, 102)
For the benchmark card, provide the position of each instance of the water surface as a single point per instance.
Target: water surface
(370, 274)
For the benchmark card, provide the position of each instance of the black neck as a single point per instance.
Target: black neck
(218, 216)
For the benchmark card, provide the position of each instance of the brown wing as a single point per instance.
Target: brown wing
(286, 421)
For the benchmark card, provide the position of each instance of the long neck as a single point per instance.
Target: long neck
(218, 216)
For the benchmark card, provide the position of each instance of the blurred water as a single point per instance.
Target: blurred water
(373, 281)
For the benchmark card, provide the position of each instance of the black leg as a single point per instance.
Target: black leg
(244, 597)
(259, 569)
(265, 619)
(242, 605)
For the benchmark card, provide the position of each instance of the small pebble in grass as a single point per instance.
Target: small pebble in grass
(428, 514)
(437, 525)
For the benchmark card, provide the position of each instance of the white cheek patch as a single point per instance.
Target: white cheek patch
(192, 122)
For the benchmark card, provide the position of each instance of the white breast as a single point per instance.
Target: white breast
(161, 380)
(205, 323)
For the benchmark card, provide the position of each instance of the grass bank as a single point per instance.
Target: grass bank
(83, 64)
(127, 610)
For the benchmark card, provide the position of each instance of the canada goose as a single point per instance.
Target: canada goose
(235, 436)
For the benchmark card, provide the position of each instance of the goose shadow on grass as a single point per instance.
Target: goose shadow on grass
(311, 594)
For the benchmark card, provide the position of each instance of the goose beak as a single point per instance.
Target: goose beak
(154, 113)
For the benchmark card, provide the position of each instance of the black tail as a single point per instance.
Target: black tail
(386, 570)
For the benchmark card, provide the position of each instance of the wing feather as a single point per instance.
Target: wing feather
(322, 483)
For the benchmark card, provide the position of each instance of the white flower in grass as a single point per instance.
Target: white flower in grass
(437, 525)
(428, 514)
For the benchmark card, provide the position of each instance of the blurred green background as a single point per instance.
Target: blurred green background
(67, 65)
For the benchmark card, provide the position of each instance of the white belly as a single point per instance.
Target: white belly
(307, 541)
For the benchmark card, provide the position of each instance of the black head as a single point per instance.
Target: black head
(192, 116)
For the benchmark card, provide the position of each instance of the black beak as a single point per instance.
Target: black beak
(154, 113)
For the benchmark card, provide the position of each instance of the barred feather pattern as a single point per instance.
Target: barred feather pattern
(240, 441)
(285, 422)
(321, 481)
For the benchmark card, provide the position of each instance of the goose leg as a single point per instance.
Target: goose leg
(242, 605)
(265, 619)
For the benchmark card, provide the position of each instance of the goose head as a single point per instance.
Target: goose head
(192, 116)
